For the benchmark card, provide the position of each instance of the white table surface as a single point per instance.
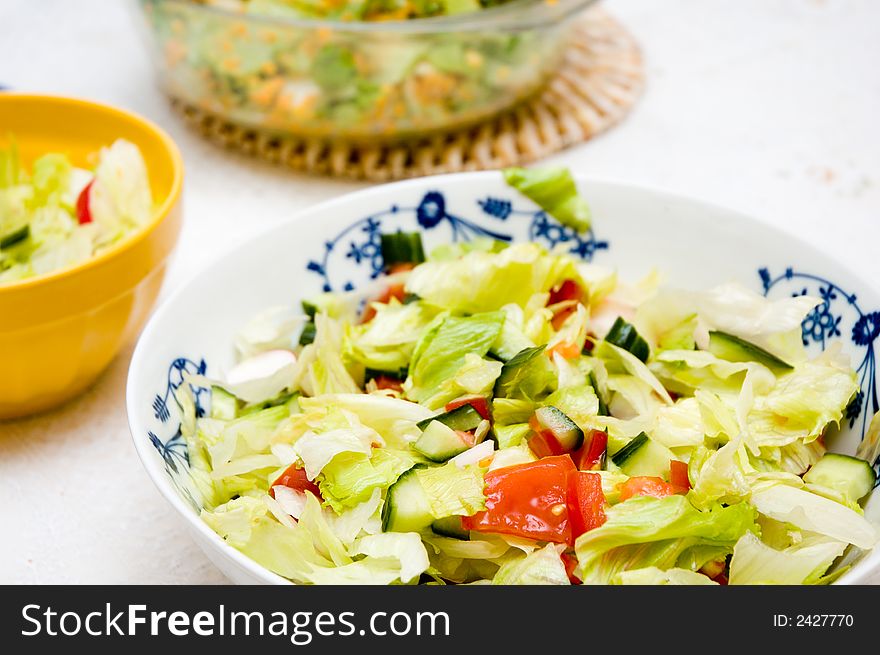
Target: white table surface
(768, 106)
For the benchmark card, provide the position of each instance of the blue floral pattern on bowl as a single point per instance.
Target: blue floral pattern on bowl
(360, 242)
(838, 316)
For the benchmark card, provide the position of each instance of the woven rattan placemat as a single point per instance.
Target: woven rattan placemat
(597, 84)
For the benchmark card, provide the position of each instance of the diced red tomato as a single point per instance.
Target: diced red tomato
(479, 403)
(678, 474)
(567, 290)
(388, 382)
(586, 502)
(401, 267)
(721, 579)
(570, 561)
(590, 455)
(565, 350)
(296, 479)
(644, 485)
(527, 500)
(397, 291)
(561, 316)
(83, 205)
(544, 444)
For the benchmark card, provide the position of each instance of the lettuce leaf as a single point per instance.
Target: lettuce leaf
(542, 567)
(492, 280)
(443, 350)
(754, 562)
(814, 513)
(646, 531)
(553, 190)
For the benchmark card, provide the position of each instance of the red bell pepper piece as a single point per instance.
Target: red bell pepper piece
(567, 290)
(646, 486)
(388, 382)
(397, 291)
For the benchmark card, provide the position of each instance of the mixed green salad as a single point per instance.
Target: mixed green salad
(344, 83)
(507, 414)
(361, 10)
(58, 215)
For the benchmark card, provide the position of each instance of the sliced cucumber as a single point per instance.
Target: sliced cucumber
(11, 238)
(566, 431)
(851, 476)
(450, 527)
(733, 349)
(515, 369)
(642, 456)
(224, 406)
(406, 508)
(463, 418)
(506, 436)
(402, 248)
(372, 373)
(308, 334)
(603, 408)
(439, 442)
(309, 309)
(624, 335)
(620, 457)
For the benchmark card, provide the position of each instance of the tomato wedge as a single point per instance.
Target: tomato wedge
(527, 500)
(565, 350)
(296, 479)
(567, 290)
(479, 403)
(678, 474)
(544, 444)
(644, 485)
(591, 455)
(83, 205)
(388, 382)
(396, 290)
(586, 502)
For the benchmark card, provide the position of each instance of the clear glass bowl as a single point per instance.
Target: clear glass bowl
(357, 80)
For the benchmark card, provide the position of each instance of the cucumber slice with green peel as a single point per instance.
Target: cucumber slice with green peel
(307, 336)
(450, 527)
(624, 335)
(733, 349)
(402, 248)
(406, 508)
(514, 368)
(851, 476)
(464, 418)
(619, 458)
(224, 406)
(603, 408)
(651, 459)
(569, 436)
(439, 442)
(11, 238)
(309, 309)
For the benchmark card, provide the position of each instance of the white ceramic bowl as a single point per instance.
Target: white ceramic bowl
(336, 245)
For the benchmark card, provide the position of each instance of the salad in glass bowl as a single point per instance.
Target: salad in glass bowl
(356, 70)
(57, 215)
(509, 414)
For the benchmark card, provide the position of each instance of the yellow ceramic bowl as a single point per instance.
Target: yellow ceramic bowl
(59, 331)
